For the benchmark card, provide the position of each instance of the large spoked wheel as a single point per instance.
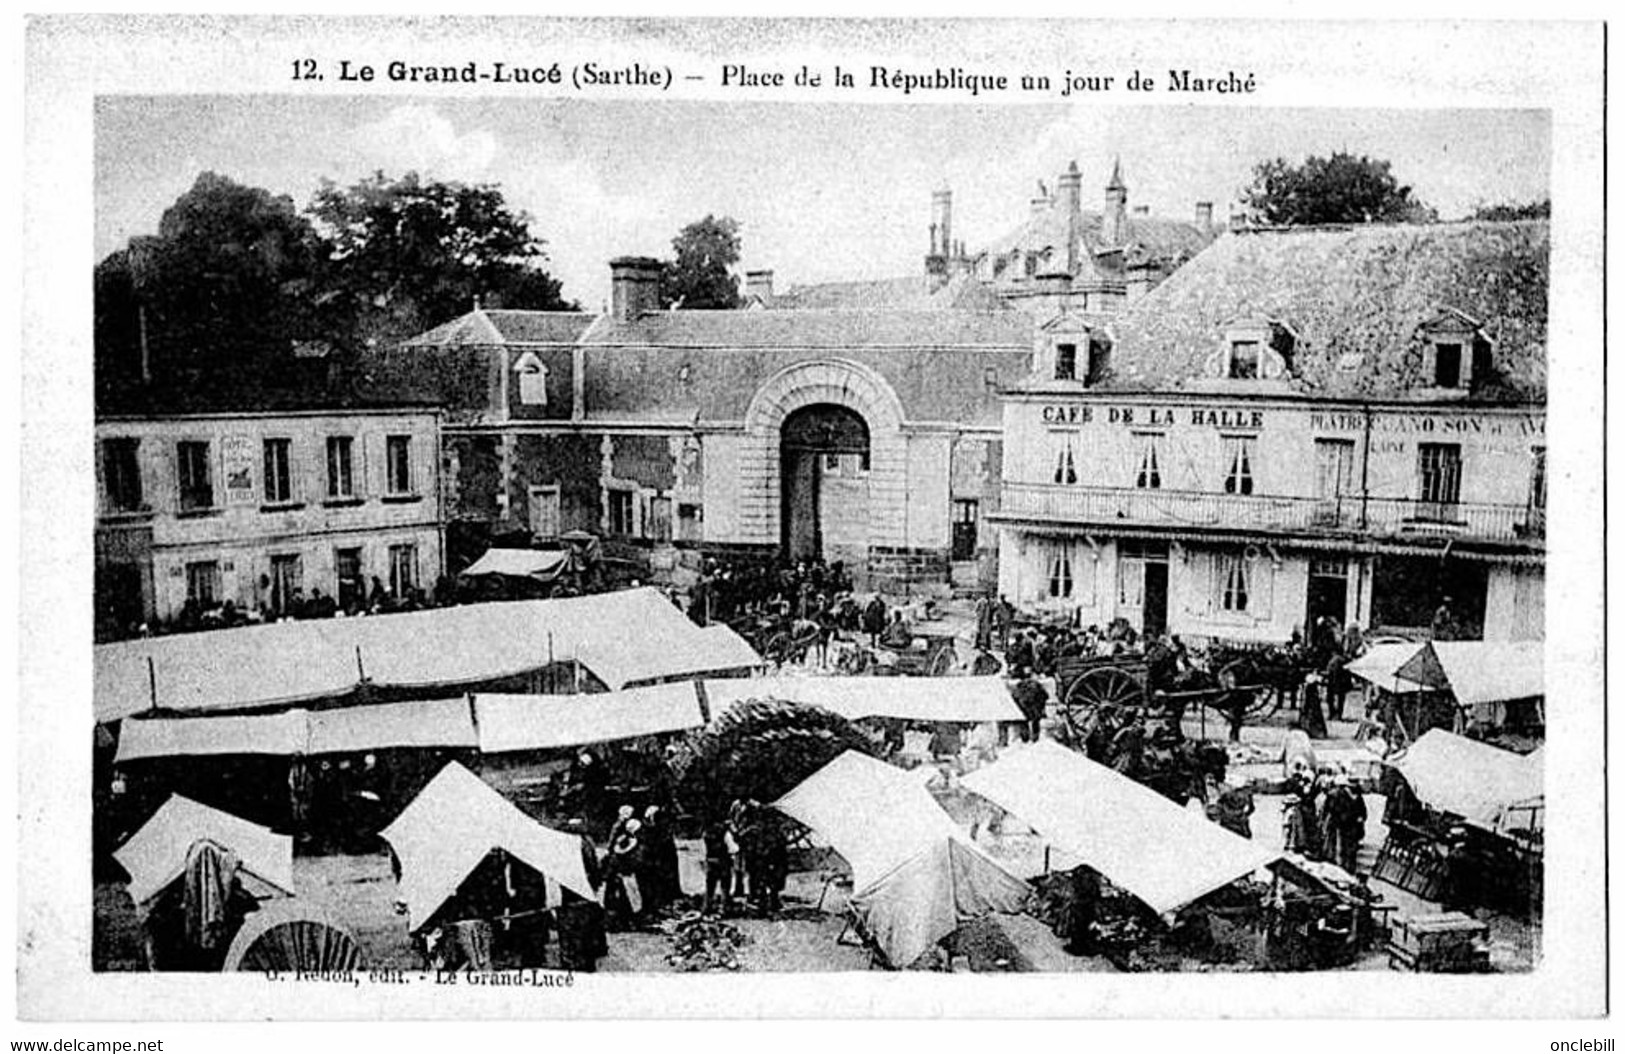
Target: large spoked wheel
(777, 648)
(942, 660)
(1106, 686)
(1240, 681)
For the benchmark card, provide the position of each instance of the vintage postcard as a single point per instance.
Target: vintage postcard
(839, 518)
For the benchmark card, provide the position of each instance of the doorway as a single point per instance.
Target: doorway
(1328, 593)
(824, 468)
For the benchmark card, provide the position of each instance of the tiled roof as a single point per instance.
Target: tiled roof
(816, 329)
(507, 327)
(915, 293)
(1356, 299)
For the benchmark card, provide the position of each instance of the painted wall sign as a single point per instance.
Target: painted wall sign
(237, 460)
(1152, 416)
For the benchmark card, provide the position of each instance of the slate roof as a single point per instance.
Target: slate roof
(1357, 299)
(1149, 237)
(963, 292)
(816, 329)
(481, 326)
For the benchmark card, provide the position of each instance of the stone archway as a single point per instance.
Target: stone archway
(838, 382)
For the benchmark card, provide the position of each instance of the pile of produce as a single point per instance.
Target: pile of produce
(759, 749)
(699, 943)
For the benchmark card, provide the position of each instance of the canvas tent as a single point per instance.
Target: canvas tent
(915, 876)
(1142, 842)
(1473, 780)
(432, 723)
(543, 565)
(968, 700)
(155, 855)
(629, 637)
(1380, 666)
(543, 722)
(454, 824)
(1483, 676)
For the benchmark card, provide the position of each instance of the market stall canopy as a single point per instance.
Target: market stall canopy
(542, 722)
(1479, 673)
(544, 565)
(454, 824)
(155, 855)
(915, 876)
(1381, 663)
(628, 637)
(1141, 841)
(1473, 780)
(968, 700)
(434, 723)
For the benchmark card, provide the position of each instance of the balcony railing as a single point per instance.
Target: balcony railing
(1347, 515)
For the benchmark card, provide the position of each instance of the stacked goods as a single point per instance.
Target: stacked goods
(699, 943)
(1448, 943)
(759, 749)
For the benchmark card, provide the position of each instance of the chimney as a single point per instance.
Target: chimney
(942, 220)
(1041, 201)
(1114, 222)
(634, 287)
(1069, 195)
(759, 284)
(1204, 216)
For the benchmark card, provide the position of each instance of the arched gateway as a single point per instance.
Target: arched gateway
(823, 469)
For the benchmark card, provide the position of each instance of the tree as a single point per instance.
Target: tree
(1341, 188)
(1529, 210)
(699, 277)
(408, 254)
(225, 285)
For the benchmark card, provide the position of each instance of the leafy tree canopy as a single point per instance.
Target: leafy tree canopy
(407, 254)
(699, 276)
(1529, 210)
(1341, 188)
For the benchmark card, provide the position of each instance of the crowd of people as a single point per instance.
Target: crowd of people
(1325, 817)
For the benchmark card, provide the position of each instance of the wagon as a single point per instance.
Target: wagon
(930, 655)
(1086, 683)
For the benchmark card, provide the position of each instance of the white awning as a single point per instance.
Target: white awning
(541, 722)
(967, 700)
(628, 637)
(544, 564)
(429, 723)
(1473, 780)
(1481, 672)
(1380, 666)
(171, 737)
(454, 824)
(1141, 841)
(155, 855)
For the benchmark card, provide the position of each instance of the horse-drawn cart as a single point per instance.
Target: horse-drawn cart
(1239, 685)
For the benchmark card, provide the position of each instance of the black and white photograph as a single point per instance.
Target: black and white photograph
(541, 529)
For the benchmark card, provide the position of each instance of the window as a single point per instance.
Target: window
(278, 475)
(689, 518)
(1447, 365)
(1439, 475)
(1100, 352)
(1334, 468)
(1243, 360)
(966, 513)
(287, 582)
(1537, 478)
(196, 481)
(351, 587)
(533, 384)
(1060, 573)
(1066, 467)
(544, 512)
(121, 472)
(1130, 579)
(620, 512)
(1234, 586)
(1066, 362)
(1238, 460)
(398, 462)
(403, 569)
(1148, 476)
(340, 467)
(203, 583)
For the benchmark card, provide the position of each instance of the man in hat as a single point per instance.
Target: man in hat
(1031, 698)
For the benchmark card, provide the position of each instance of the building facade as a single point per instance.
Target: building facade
(869, 437)
(1298, 425)
(262, 509)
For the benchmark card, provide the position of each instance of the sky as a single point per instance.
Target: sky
(822, 192)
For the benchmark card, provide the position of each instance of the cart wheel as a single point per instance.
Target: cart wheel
(777, 648)
(1244, 671)
(1100, 687)
(942, 661)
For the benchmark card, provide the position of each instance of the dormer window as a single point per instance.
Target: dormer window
(532, 379)
(1243, 365)
(1100, 360)
(1457, 354)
